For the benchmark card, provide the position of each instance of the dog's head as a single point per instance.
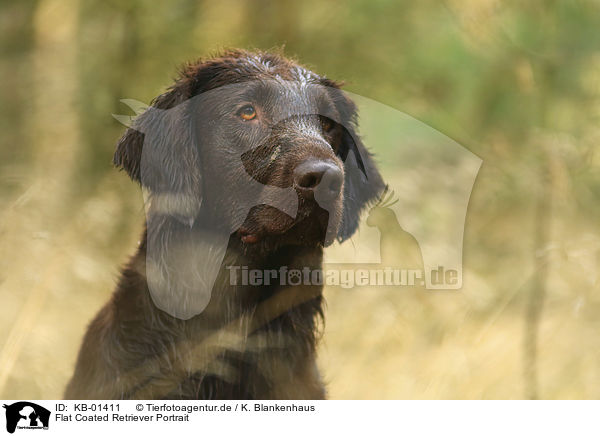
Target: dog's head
(252, 147)
(244, 118)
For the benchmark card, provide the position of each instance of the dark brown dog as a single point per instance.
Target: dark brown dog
(219, 154)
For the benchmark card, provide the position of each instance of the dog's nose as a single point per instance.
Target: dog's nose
(321, 177)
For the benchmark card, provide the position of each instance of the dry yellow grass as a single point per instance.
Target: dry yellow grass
(378, 342)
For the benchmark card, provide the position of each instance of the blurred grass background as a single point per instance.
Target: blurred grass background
(517, 83)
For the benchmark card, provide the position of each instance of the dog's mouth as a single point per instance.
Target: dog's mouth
(311, 226)
(249, 237)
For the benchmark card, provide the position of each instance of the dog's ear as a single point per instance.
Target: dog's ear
(159, 151)
(362, 182)
(128, 153)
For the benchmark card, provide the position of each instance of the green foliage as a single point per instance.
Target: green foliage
(517, 83)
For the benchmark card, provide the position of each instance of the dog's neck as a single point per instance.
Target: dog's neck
(249, 275)
(242, 321)
(236, 298)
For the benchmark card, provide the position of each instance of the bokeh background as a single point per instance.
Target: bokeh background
(517, 83)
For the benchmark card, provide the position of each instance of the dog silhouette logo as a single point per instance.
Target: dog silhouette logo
(398, 247)
(26, 415)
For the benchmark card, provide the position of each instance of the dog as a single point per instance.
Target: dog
(250, 161)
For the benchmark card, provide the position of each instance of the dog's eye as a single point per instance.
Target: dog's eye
(248, 113)
(326, 124)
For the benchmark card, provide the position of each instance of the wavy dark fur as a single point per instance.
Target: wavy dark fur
(250, 342)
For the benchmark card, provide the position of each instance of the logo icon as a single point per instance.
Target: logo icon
(418, 224)
(26, 415)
